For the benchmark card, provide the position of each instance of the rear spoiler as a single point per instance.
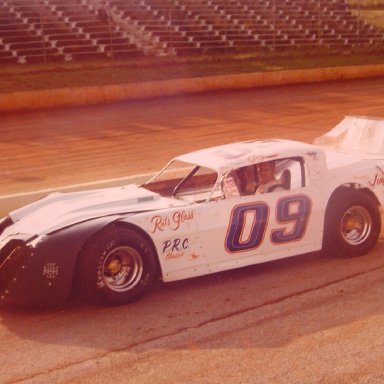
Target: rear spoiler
(356, 134)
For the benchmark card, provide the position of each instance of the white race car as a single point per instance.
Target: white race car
(203, 213)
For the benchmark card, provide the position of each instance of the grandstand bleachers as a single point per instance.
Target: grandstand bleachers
(66, 30)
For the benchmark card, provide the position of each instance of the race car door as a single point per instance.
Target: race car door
(245, 230)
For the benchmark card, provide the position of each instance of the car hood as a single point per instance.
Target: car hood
(59, 210)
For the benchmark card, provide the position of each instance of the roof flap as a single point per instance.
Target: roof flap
(356, 134)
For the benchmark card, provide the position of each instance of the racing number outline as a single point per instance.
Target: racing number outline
(295, 209)
(289, 210)
(234, 240)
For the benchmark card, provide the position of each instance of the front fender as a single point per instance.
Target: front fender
(41, 271)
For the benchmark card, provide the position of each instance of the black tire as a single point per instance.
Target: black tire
(352, 224)
(116, 267)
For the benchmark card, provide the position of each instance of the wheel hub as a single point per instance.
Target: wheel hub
(123, 269)
(351, 224)
(356, 225)
(115, 266)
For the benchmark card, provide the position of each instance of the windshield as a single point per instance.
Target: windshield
(185, 181)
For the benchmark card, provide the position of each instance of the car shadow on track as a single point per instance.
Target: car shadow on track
(176, 307)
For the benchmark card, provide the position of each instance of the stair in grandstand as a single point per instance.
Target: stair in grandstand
(151, 25)
(89, 36)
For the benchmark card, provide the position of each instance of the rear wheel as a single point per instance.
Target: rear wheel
(117, 266)
(352, 224)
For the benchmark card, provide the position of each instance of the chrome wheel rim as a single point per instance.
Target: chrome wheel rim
(356, 225)
(122, 269)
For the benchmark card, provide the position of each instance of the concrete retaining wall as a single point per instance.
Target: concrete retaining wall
(16, 101)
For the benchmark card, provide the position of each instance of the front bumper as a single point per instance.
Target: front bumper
(40, 270)
(12, 258)
(29, 278)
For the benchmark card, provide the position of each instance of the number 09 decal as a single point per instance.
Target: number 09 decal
(248, 223)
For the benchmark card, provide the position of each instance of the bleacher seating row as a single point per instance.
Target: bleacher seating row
(65, 30)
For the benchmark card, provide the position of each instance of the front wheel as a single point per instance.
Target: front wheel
(352, 224)
(117, 266)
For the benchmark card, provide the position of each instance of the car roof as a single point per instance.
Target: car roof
(235, 155)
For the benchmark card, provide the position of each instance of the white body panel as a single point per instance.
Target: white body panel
(193, 241)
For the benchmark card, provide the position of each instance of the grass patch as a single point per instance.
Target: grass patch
(51, 76)
(374, 17)
(366, 4)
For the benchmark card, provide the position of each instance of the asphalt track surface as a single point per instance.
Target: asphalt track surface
(307, 319)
